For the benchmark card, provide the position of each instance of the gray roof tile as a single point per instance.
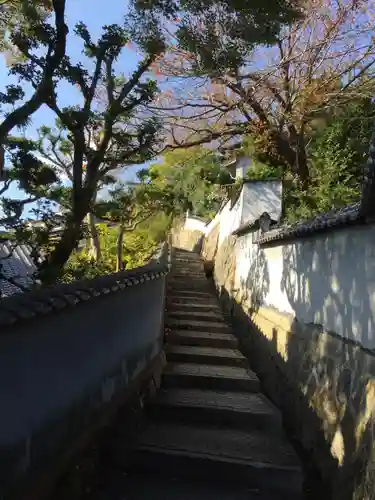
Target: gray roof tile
(16, 264)
(346, 216)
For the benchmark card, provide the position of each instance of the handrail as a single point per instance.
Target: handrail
(50, 299)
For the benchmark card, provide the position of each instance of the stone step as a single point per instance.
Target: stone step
(137, 487)
(184, 264)
(203, 326)
(181, 298)
(216, 316)
(205, 292)
(241, 410)
(188, 278)
(193, 294)
(193, 307)
(196, 273)
(210, 377)
(182, 260)
(185, 255)
(205, 355)
(187, 264)
(192, 286)
(253, 458)
(184, 271)
(191, 273)
(191, 337)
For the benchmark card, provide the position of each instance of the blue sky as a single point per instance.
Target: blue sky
(95, 14)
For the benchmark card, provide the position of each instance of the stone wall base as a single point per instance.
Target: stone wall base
(186, 239)
(323, 384)
(325, 389)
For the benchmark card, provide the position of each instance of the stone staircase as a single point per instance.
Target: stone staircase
(210, 432)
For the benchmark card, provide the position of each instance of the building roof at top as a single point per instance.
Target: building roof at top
(347, 216)
(250, 226)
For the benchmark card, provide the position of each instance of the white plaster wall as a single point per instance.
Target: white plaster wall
(230, 219)
(215, 221)
(242, 166)
(244, 258)
(192, 224)
(254, 199)
(227, 218)
(328, 280)
(260, 197)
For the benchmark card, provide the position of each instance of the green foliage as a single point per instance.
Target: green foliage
(220, 32)
(141, 244)
(337, 153)
(260, 148)
(120, 207)
(261, 171)
(258, 169)
(80, 266)
(107, 128)
(20, 16)
(38, 181)
(138, 246)
(188, 179)
(185, 179)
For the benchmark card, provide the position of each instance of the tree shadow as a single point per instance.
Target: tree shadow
(271, 369)
(257, 281)
(259, 197)
(322, 383)
(328, 282)
(197, 248)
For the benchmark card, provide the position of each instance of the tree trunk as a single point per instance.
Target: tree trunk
(368, 184)
(302, 167)
(120, 240)
(95, 250)
(295, 156)
(52, 266)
